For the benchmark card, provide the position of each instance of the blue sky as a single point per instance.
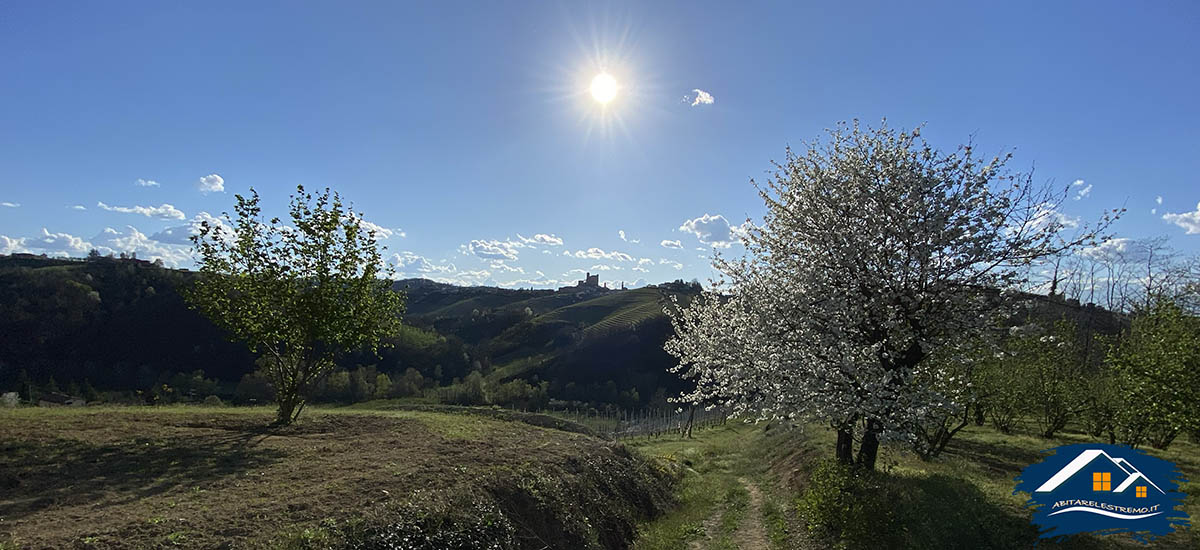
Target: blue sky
(466, 129)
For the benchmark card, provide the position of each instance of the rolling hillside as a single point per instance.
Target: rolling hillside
(121, 325)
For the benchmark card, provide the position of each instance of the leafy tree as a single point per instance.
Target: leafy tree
(383, 386)
(1157, 376)
(301, 293)
(876, 251)
(1051, 370)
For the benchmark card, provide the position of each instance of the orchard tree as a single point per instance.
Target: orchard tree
(1156, 378)
(1051, 373)
(300, 292)
(876, 252)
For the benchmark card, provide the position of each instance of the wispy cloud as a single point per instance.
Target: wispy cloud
(145, 183)
(77, 207)
(162, 212)
(1189, 221)
(626, 238)
(671, 244)
(10, 204)
(543, 239)
(211, 183)
(598, 254)
(699, 97)
(1084, 191)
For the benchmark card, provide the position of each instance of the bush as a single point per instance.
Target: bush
(868, 509)
(213, 401)
(848, 503)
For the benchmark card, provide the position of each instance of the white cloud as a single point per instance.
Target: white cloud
(133, 241)
(413, 265)
(493, 250)
(606, 267)
(78, 207)
(671, 244)
(163, 212)
(181, 234)
(1077, 183)
(542, 238)
(1083, 192)
(58, 244)
(1158, 199)
(678, 266)
(713, 230)
(699, 97)
(624, 237)
(500, 266)
(1189, 221)
(145, 183)
(381, 232)
(598, 254)
(9, 245)
(10, 204)
(211, 183)
(1119, 250)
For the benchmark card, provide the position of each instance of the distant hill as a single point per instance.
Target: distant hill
(121, 324)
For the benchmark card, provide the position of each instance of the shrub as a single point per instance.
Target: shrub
(847, 502)
(213, 401)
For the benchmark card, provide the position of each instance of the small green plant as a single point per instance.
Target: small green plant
(177, 538)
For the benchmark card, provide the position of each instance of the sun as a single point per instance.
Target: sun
(604, 88)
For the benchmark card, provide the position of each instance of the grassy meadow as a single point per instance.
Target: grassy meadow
(192, 477)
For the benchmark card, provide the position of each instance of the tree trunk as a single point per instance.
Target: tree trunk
(868, 451)
(845, 446)
(978, 414)
(287, 410)
(691, 418)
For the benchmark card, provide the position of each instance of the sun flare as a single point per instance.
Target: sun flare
(604, 88)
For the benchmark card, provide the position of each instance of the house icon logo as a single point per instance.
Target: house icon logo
(1106, 489)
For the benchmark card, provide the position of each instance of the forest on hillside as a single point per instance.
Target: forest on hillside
(118, 330)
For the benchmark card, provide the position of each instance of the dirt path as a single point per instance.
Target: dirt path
(711, 526)
(752, 534)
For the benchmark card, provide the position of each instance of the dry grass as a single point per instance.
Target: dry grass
(213, 478)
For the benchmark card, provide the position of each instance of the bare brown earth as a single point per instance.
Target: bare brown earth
(191, 478)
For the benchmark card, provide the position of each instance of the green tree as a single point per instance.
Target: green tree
(383, 386)
(301, 293)
(1052, 369)
(1157, 376)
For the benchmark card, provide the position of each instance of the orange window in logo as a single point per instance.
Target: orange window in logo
(1141, 491)
(1101, 481)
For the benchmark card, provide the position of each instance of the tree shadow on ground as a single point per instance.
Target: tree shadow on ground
(996, 456)
(41, 474)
